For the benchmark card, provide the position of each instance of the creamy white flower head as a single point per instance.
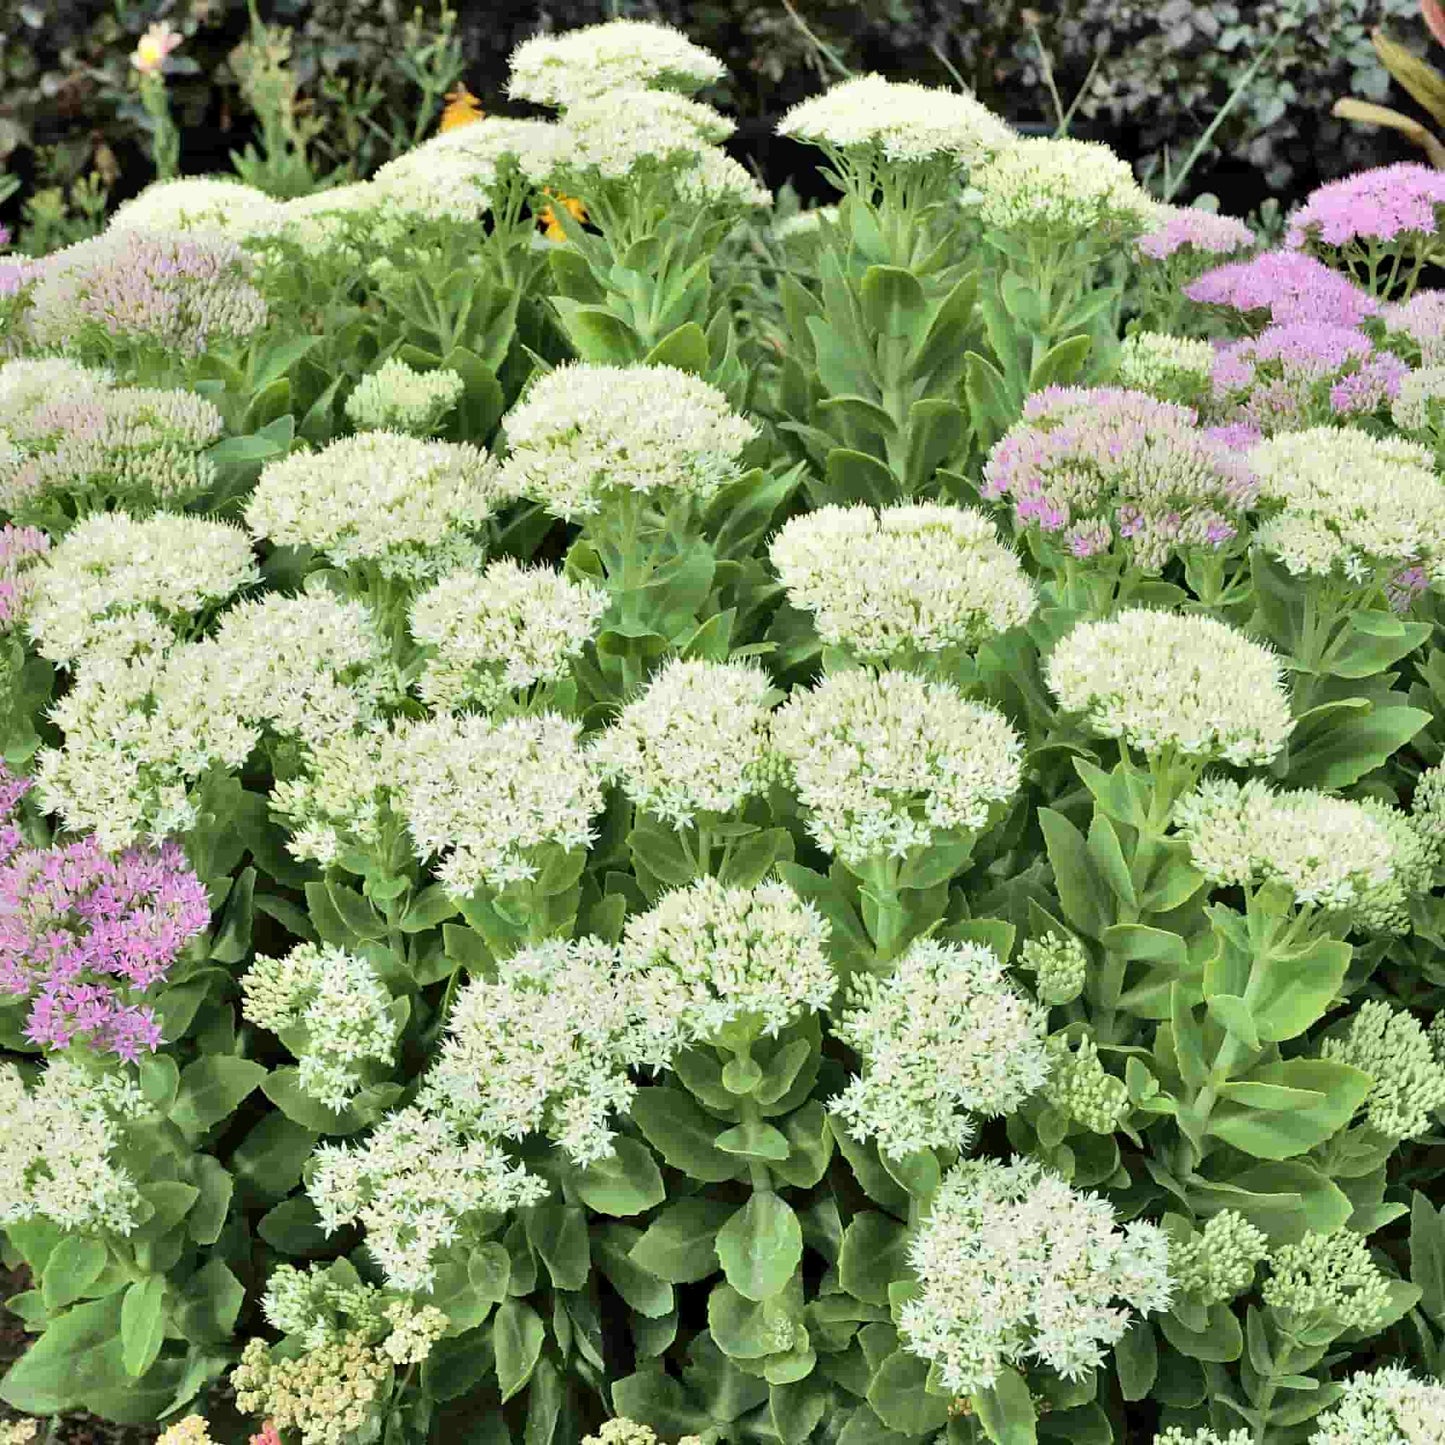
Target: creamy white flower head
(496, 633)
(718, 180)
(544, 1047)
(1362, 859)
(560, 70)
(200, 203)
(907, 579)
(1016, 1267)
(1062, 188)
(137, 734)
(413, 508)
(30, 381)
(803, 224)
(884, 762)
(945, 1036)
(308, 666)
(899, 121)
(1417, 405)
(583, 432)
(59, 1141)
(694, 741)
(485, 795)
(332, 1006)
(395, 397)
(1173, 368)
(1177, 1435)
(331, 220)
(1161, 682)
(1351, 502)
(411, 1184)
(1408, 1081)
(111, 565)
(708, 957)
(1387, 1406)
(625, 134)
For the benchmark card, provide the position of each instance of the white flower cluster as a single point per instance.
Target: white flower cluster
(1163, 681)
(1362, 859)
(1387, 1406)
(342, 796)
(320, 1304)
(716, 179)
(1350, 502)
(1013, 1266)
(899, 122)
(709, 958)
(882, 763)
(943, 1037)
(560, 70)
(485, 795)
(625, 135)
(545, 1047)
(411, 1185)
(58, 1145)
(407, 506)
(340, 1005)
(1407, 1086)
(1417, 405)
(907, 579)
(1062, 188)
(496, 633)
(396, 397)
(200, 203)
(1177, 1435)
(30, 381)
(111, 566)
(582, 432)
(696, 740)
(1173, 368)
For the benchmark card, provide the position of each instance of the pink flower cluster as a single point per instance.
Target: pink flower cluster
(82, 933)
(12, 789)
(19, 548)
(1198, 230)
(1088, 463)
(1301, 374)
(1377, 205)
(1287, 286)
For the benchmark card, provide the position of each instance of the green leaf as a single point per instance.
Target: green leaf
(1293, 991)
(753, 1139)
(209, 1304)
(1006, 1410)
(680, 1244)
(211, 1089)
(1232, 1013)
(897, 1395)
(517, 1336)
(685, 348)
(1354, 746)
(1136, 1361)
(893, 302)
(1077, 882)
(627, 1183)
(873, 1256)
(640, 1289)
(1275, 1135)
(74, 1265)
(1062, 364)
(682, 1134)
(857, 477)
(558, 1233)
(283, 1088)
(760, 1246)
(1221, 1341)
(1427, 1254)
(430, 907)
(142, 1323)
(598, 335)
(55, 1372)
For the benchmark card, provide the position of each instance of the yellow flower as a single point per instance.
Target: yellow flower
(153, 47)
(551, 226)
(462, 108)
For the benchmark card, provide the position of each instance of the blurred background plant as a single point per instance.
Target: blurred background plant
(310, 92)
(1421, 81)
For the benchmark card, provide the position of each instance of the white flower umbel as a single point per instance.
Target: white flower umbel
(200, 203)
(584, 433)
(496, 633)
(905, 580)
(484, 795)
(716, 179)
(338, 1001)
(111, 565)
(1015, 1267)
(395, 397)
(1173, 368)
(559, 70)
(544, 1047)
(408, 507)
(945, 1036)
(1177, 1435)
(1350, 503)
(1165, 682)
(694, 741)
(1062, 188)
(308, 666)
(709, 958)
(1408, 1081)
(1360, 859)
(1386, 1406)
(30, 381)
(59, 1140)
(899, 122)
(883, 763)
(136, 734)
(412, 1185)
(1417, 406)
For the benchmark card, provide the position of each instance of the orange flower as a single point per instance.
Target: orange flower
(153, 47)
(462, 108)
(551, 226)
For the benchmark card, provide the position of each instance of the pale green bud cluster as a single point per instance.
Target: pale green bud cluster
(1176, 1435)
(1080, 1087)
(1173, 368)
(1329, 1279)
(1218, 1263)
(396, 397)
(1408, 1081)
(1060, 965)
